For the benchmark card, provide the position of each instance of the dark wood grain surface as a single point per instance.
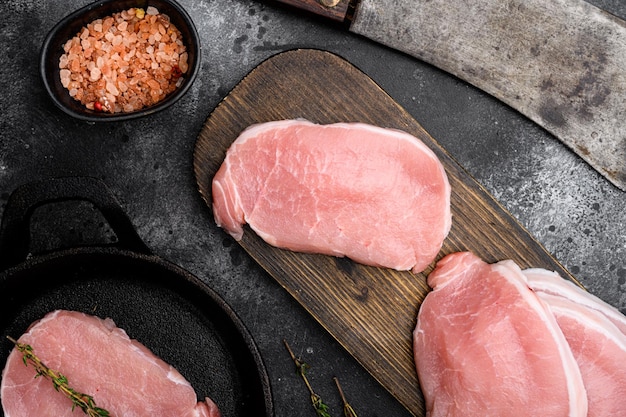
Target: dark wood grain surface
(370, 311)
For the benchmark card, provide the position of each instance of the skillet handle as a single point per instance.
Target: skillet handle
(15, 226)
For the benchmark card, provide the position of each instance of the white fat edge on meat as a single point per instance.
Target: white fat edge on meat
(591, 318)
(418, 143)
(236, 233)
(542, 280)
(249, 133)
(176, 377)
(576, 389)
(108, 325)
(253, 131)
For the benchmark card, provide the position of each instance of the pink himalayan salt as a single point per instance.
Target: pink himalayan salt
(124, 62)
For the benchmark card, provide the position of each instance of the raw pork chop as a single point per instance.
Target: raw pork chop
(378, 196)
(542, 281)
(98, 359)
(597, 343)
(485, 345)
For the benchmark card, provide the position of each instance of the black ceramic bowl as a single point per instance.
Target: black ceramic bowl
(67, 28)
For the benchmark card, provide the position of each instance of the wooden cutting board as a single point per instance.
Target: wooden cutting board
(370, 311)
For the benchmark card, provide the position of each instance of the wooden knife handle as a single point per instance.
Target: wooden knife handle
(336, 10)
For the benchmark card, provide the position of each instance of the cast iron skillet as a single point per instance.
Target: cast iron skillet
(163, 306)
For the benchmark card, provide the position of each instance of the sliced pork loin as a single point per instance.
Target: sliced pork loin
(378, 196)
(98, 359)
(549, 282)
(591, 328)
(486, 345)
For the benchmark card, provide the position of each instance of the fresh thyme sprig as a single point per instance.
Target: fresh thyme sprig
(348, 411)
(83, 401)
(321, 409)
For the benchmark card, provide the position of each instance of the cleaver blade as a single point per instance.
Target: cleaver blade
(561, 63)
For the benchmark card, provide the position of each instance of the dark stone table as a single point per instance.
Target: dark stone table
(572, 210)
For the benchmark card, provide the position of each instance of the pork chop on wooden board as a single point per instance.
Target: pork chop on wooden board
(100, 360)
(550, 282)
(378, 196)
(600, 351)
(592, 330)
(370, 311)
(485, 345)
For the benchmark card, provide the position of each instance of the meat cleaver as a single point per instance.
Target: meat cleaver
(561, 63)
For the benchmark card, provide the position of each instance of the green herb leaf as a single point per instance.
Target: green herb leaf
(321, 409)
(59, 382)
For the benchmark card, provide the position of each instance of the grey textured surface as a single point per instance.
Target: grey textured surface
(570, 209)
(582, 106)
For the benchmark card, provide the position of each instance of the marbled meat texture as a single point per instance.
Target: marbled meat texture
(486, 345)
(100, 360)
(378, 196)
(592, 329)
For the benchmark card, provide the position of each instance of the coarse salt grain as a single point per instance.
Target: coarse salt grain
(95, 73)
(113, 61)
(65, 77)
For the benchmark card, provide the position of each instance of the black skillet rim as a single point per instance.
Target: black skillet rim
(187, 285)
